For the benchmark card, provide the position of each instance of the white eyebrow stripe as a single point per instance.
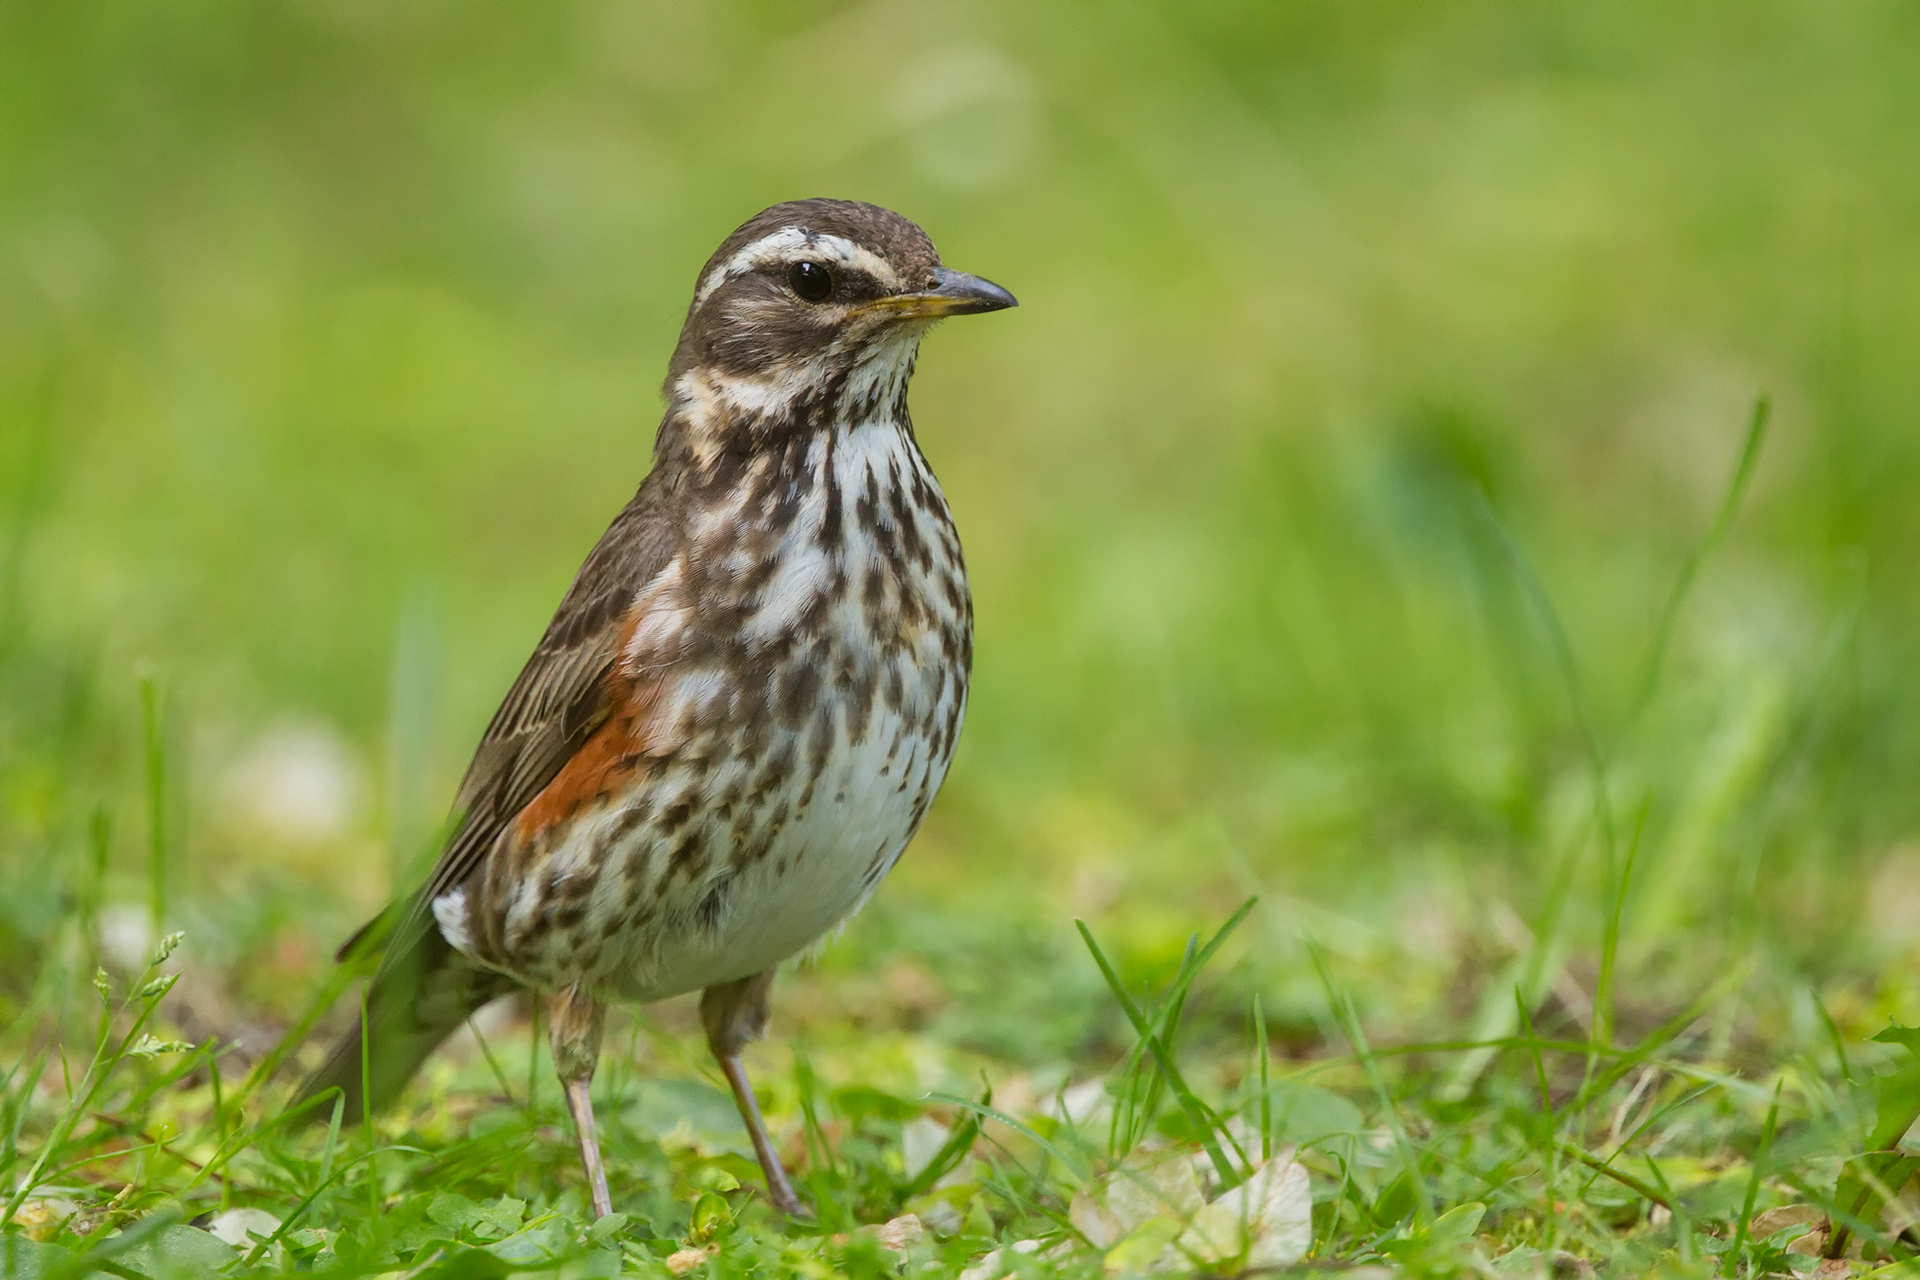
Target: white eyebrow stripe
(782, 244)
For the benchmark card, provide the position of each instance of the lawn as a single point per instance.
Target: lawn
(1439, 790)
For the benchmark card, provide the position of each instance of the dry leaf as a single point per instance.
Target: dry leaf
(1773, 1221)
(1266, 1221)
(687, 1259)
(1149, 1215)
(920, 1141)
(900, 1234)
(1151, 1184)
(41, 1219)
(233, 1226)
(997, 1263)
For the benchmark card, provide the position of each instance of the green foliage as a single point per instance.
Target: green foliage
(1451, 475)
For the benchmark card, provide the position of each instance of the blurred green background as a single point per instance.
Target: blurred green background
(331, 334)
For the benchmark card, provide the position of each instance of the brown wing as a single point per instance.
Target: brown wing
(424, 988)
(562, 693)
(560, 697)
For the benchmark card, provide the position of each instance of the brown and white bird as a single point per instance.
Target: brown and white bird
(746, 701)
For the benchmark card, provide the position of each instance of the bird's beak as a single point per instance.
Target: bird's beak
(954, 293)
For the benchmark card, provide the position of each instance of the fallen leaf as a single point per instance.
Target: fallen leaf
(1148, 1215)
(1266, 1221)
(234, 1227)
(900, 1234)
(1149, 1185)
(920, 1141)
(41, 1219)
(687, 1259)
(997, 1263)
(1771, 1223)
(1149, 1248)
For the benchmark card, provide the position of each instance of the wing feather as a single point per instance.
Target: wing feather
(423, 988)
(560, 697)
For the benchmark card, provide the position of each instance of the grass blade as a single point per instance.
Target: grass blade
(1729, 504)
(1349, 1020)
(156, 780)
(1621, 1176)
(1266, 1089)
(1602, 1028)
(1550, 1134)
(1202, 1117)
(985, 1112)
(946, 1159)
(1753, 1180)
(1656, 1040)
(1567, 665)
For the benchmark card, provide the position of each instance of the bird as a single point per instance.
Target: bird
(743, 706)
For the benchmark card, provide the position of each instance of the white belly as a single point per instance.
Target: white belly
(817, 866)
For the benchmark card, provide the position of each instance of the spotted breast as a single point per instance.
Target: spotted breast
(790, 686)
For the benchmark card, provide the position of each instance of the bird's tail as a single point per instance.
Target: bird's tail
(422, 992)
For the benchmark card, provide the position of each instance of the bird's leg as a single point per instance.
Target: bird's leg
(574, 1022)
(733, 1014)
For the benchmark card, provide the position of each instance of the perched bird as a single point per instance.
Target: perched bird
(746, 701)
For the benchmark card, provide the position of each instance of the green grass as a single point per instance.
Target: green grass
(1646, 1153)
(1368, 512)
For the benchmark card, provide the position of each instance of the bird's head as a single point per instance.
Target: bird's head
(814, 310)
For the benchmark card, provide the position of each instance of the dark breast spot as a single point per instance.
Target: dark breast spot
(799, 693)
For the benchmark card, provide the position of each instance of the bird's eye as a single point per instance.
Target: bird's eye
(810, 280)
